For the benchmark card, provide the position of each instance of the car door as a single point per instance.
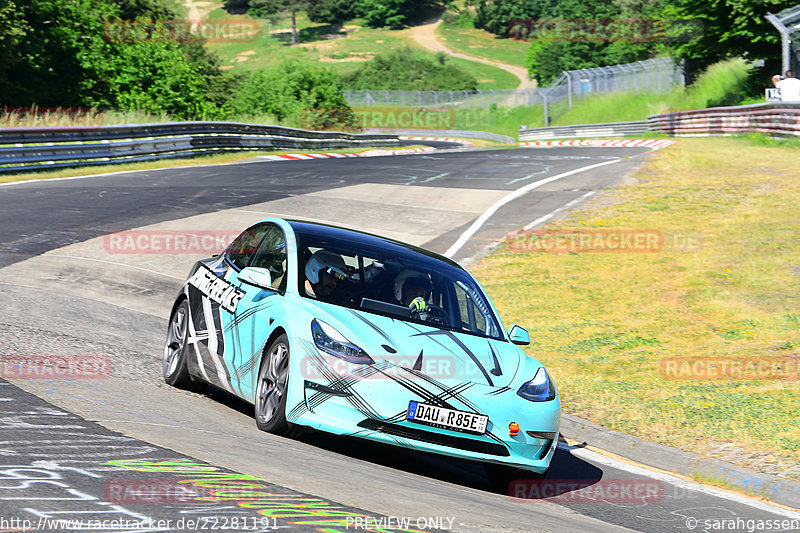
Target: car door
(215, 299)
(258, 309)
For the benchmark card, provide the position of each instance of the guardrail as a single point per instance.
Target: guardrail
(610, 129)
(54, 147)
(778, 118)
(469, 134)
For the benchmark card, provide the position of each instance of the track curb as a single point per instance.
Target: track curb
(778, 490)
(604, 143)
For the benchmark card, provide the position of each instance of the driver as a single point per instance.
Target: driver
(412, 289)
(324, 270)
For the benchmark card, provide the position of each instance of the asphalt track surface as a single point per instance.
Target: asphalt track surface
(91, 449)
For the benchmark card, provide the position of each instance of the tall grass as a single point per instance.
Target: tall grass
(722, 84)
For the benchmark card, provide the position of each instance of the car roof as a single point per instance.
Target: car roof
(368, 240)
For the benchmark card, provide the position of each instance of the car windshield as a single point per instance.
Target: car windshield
(391, 280)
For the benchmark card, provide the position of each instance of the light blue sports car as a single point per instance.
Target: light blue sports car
(353, 334)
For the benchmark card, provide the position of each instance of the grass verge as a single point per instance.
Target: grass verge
(725, 286)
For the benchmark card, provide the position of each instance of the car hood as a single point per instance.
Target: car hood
(444, 355)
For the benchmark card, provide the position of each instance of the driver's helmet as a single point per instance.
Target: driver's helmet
(414, 279)
(323, 259)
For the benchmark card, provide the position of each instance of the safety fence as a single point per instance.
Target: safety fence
(771, 118)
(54, 147)
(653, 75)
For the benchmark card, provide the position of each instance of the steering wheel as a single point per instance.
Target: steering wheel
(433, 314)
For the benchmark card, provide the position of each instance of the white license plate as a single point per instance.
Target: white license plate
(441, 417)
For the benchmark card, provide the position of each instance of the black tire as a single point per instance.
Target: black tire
(501, 476)
(176, 372)
(273, 380)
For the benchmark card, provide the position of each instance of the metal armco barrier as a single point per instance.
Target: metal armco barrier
(37, 148)
(778, 118)
(610, 129)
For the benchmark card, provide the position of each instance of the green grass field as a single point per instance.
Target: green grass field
(725, 287)
(341, 49)
(481, 43)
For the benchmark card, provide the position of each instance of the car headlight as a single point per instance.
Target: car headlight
(540, 389)
(331, 341)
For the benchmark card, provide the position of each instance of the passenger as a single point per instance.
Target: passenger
(324, 270)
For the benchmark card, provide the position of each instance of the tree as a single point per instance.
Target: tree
(76, 53)
(727, 28)
(269, 8)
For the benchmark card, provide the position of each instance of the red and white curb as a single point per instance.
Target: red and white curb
(368, 153)
(462, 142)
(605, 143)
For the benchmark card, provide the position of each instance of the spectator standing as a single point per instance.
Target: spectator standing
(789, 87)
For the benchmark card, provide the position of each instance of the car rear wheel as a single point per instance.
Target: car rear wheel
(176, 372)
(273, 379)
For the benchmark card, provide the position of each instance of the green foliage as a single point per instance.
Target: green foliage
(460, 19)
(332, 11)
(404, 69)
(569, 46)
(724, 83)
(729, 28)
(496, 15)
(295, 93)
(721, 84)
(393, 13)
(87, 59)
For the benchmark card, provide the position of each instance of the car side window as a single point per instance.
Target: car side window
(472, 318)
(272, 256)
(244, 246)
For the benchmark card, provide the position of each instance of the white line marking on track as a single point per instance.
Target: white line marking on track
(116, 264)
(548, 216)
(473, 229)
(598, 458)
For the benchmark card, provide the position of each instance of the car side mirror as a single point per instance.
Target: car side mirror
(519, 335)
(256, 276)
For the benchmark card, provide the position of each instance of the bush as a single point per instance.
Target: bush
(406, 70)
(461, 19)
(725, 83)
(295, 94)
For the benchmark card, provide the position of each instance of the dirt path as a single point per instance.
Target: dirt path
(425, 36)
(199, 10)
